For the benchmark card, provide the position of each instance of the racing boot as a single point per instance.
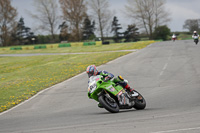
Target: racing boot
(131, 90)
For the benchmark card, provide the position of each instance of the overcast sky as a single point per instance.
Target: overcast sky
(180, 10)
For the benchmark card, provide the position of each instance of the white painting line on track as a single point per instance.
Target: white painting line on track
(178, 130)
(164, 68)
(161, 73)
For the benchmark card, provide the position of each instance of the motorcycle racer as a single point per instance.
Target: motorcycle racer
(92, 71)
(195, 34)
(173, 37)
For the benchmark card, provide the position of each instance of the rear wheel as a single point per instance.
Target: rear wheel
(140, 102)
(109, 103)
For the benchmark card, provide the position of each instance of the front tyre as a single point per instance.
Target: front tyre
(140, 102)
(108, 104)
(196, 41)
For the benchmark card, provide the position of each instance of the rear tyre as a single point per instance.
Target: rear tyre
(109, 105)
(140, 102)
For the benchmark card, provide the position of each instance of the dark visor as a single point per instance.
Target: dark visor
(90, 74)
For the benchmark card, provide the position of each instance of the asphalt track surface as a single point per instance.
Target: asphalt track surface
(167, 74)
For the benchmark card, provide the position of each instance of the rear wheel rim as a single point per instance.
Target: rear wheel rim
(140, 99)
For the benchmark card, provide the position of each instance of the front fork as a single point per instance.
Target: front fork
(107, 95)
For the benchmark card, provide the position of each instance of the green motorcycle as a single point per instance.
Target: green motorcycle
(112, 96)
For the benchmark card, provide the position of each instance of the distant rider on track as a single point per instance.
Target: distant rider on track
(195, 36)
(173, 37)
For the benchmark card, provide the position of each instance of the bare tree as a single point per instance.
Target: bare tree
(8, 22)
(192, 25)
(148, 14)
(74, 12)
(64, 32)
(102, 14)
(47, 15)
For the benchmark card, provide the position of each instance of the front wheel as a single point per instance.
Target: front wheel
(140, 102)
(109, 103)
(196, 41)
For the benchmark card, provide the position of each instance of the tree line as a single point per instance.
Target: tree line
(192, 25)
(81, 20)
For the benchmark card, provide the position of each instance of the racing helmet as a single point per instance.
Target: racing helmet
(195, 31)
(91, 70)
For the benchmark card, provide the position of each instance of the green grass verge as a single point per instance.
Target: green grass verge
(76, 49)
(184, 37)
